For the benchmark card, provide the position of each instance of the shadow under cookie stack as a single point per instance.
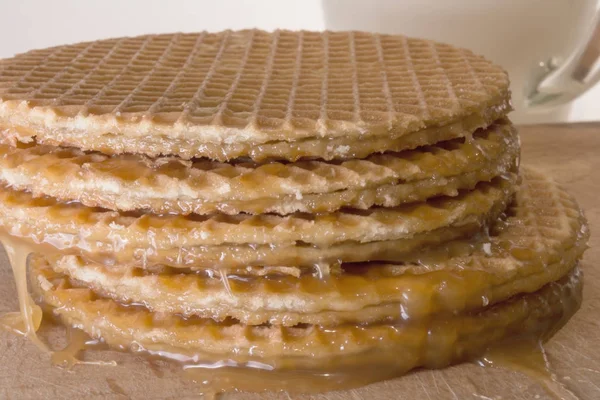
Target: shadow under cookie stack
(343, 204)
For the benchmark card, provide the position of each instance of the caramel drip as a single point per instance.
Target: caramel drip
(226, 285)
(28, 319)
(30, 313)
(13, 322)
(527, 356)
(77, 342)
(227, 375)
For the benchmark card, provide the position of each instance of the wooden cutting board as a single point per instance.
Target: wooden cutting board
(571, 153)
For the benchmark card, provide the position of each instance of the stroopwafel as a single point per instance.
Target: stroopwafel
(172, 94)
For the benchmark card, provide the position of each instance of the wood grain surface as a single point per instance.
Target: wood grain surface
(571, 153)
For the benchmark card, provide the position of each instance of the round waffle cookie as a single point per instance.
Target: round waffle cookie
(540, 241)
(172, 185)
(429, 342)
(71, 226)
(198, 95)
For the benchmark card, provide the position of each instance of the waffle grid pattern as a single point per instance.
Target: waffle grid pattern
(286, 84)
(340, 148)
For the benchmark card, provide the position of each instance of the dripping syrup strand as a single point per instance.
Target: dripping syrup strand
(28, 319)
(31, 313)
(226, 284)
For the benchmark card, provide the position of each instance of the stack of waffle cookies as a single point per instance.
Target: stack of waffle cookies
(322, 201)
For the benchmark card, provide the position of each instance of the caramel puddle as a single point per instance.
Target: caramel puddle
(527, 356)
(77, 342)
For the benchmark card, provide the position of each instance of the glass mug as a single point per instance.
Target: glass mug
(550, 48)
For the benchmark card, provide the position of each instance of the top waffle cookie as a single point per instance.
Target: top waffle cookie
(172, 94)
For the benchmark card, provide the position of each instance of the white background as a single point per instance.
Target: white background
(28, 24)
